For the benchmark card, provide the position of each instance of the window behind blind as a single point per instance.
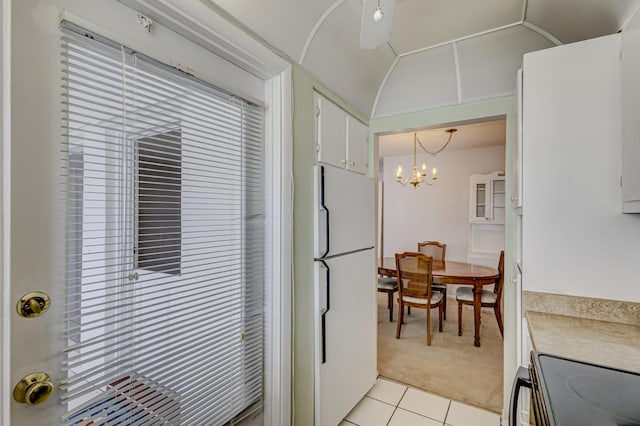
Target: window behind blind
(165, 242)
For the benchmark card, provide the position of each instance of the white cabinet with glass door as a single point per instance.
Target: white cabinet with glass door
(341, 138)
(487, 198)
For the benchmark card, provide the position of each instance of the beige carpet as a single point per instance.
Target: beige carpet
(451, 366)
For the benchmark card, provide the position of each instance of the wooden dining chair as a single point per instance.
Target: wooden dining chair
(414, 288)
(436, 251)
(388, 285)
(489, 299)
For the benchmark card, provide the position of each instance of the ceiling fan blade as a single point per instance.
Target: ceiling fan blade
(374, 33)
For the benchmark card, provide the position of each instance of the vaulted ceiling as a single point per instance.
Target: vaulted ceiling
(441, 52)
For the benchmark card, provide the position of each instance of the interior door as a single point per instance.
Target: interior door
(39, 236)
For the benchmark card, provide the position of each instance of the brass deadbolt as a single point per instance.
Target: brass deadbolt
(33, 304)
(33, 389)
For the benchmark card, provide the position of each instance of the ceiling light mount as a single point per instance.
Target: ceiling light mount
(378, 15)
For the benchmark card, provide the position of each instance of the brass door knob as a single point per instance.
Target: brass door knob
(33, 389)
(33, 304)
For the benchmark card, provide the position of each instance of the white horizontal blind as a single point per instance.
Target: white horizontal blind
(165, 242)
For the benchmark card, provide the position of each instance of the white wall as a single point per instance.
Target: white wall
(439, 212)
(576, 241)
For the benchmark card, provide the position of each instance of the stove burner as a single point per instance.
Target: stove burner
(573, 392)
(607, 395)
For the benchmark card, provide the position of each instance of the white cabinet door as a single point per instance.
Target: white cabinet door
(331, 132)
(497, 213)
(487, 198)
(479, 200)
(517, 161)
(630, 122)
(341, 139)
(357, 146)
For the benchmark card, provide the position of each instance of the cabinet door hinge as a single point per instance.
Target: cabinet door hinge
(317, 111)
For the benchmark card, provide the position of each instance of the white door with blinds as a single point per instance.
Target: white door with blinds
(165, 226)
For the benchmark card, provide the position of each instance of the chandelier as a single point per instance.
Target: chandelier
(419, 177)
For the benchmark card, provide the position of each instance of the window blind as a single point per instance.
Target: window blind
(165, 242)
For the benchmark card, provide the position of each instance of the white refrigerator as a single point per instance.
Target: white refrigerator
(345, 292)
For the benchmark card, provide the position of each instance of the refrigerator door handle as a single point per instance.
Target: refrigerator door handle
(325, 305)
(323, 217)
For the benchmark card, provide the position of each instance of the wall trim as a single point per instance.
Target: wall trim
(316, 27)
(5, 199)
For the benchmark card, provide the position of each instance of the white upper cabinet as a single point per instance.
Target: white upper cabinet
(630, 122)
(342, 140)
(357, 146)
(487, 198)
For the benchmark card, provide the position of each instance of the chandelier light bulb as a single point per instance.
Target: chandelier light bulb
(378, 15)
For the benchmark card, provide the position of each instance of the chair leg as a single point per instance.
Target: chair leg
(496, 309)
(444, 295)
(400, 318)
(428, 326)
(440, 318)
(459, 319)
(390, 305)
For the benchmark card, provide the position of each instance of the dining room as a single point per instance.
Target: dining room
(444, 184)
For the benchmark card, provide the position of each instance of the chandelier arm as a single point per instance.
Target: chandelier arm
(434, 153)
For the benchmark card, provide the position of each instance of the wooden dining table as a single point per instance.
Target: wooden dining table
(451, 272)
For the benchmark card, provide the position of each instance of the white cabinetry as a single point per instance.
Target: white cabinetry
(341, 139)
(516, 199)
(571, 176)
(630, 123)
(486, 218)
(487, 204)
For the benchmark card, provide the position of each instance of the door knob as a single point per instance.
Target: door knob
(33, 304)
(33, 389)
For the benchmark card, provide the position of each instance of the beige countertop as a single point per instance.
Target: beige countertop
(599, 342)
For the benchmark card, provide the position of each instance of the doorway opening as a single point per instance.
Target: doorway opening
(464, 209)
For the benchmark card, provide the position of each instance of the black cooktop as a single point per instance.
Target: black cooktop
(579, 393)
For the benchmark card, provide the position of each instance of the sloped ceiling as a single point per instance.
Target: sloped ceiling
(441, 51)
(421, 23)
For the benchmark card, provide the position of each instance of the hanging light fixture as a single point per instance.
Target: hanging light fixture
(419, 177)
(378, 15)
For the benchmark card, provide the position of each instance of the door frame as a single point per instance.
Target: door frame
(5, 140)
(503, 107)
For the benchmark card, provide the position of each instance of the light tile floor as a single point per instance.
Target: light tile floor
(392, 404)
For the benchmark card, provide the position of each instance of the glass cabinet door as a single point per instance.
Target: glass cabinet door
(498, 201)
(481, 200)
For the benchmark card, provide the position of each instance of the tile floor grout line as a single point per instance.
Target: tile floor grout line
(397, 405)
(379, 400)
(422, 415)
(447, 413)
(406, 389)
(394, 411)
